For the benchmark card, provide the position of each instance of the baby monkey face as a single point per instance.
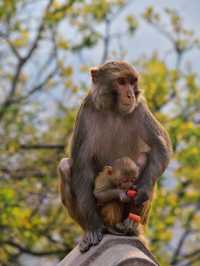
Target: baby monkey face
(126, 178)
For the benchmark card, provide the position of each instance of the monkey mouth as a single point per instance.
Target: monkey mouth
(127, 107)
(126, 104)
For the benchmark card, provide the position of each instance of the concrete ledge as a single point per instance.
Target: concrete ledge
(112, 251)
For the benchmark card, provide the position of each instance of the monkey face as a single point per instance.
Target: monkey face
(115, 87)
(128, 177)
(123, 178)
(125, 88)
(132, 173)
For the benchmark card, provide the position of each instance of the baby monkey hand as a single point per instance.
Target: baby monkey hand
(123, 197)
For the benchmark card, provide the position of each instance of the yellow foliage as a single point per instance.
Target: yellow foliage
(67, 71)
(22, 40)
(63, 44)
(156, 83)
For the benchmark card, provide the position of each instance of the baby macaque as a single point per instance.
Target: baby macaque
(111, 186)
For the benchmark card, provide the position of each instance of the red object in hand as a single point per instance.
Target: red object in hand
(109, 172)
(131, 193)
(134, 217)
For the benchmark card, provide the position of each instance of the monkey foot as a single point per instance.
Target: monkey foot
(91, 238)
(114, 231)
(128, 227)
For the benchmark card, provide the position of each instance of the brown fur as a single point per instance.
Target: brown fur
(110, 183)
(112, 122)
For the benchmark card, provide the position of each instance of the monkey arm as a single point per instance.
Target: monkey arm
(82, 186)
(158, 139)
(158, 158)
(83, 174)
(86, 209)
(157, 161)
(109, 195)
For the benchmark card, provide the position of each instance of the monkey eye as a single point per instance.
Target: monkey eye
(132, 80)
(121, 81)
(137, 92)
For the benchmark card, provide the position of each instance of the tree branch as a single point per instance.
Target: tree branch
(177, 252)
(192, 254)
(11, 46)
(42, 146)
(64, 7)
(22, 61)
(106, 40)
(192, 260)
(36, 88)
(33, 252)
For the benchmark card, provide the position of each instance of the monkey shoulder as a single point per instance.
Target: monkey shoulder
(148, 121)
(142, 108)
(86, 105)
(151, 126)
(87, 108)
(84, 114)
(80, 126)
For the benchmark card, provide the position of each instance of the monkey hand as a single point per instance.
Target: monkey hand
(128, 227)
(91, 238)
(143, 194)
(123, 197)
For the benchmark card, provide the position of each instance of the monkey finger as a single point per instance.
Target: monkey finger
(120, 227)
(84, 244)
(124, 197)
(83, 247)
(94, 238)
(90, 238)
(130, 227)
(99, 235)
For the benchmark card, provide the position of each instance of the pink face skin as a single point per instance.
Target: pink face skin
(126, 89)
(126, 183)
(122, 182)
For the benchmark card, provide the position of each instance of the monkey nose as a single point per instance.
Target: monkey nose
(130, 95)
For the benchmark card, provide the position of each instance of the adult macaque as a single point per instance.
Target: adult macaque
(111, 186)
(113, 121)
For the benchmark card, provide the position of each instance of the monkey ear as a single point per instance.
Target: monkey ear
(94, 74)
(108, 169)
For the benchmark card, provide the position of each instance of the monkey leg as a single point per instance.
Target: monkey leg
(112, 213)
(128, 227)
(64, 170)
(67, 198)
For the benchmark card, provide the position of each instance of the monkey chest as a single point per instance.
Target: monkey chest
(113, 139)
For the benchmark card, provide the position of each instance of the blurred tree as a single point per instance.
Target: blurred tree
(174, 94)
(42, 75)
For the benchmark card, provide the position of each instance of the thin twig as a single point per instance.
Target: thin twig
(42, 146)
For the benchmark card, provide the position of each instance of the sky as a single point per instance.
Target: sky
(142, 43)
(146, 40)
